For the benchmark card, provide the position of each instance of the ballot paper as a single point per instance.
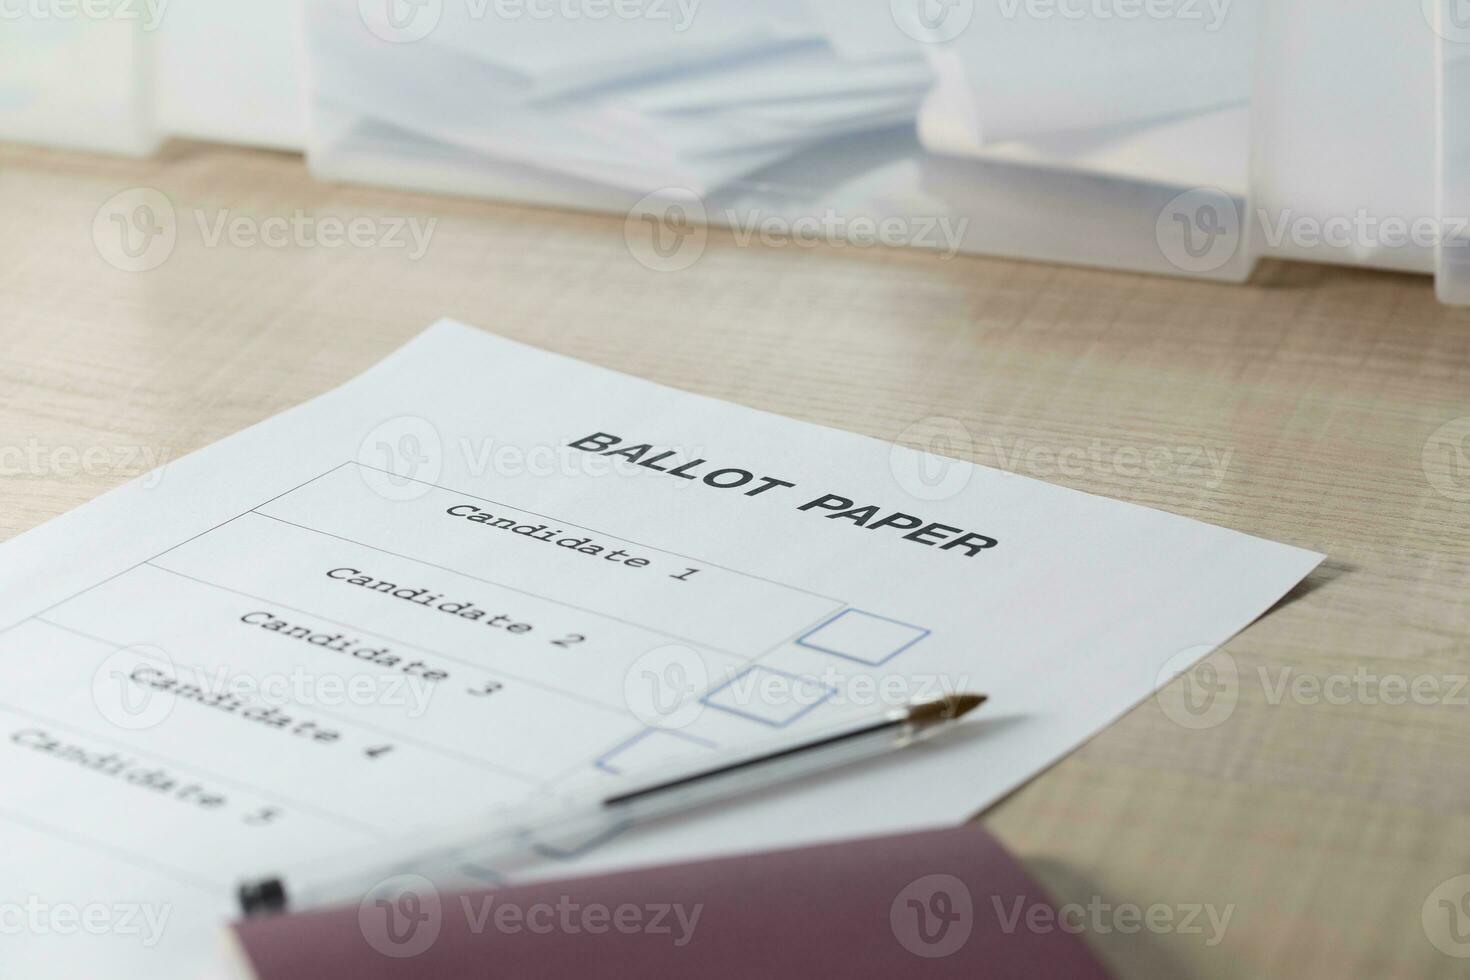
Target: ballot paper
(480, 573)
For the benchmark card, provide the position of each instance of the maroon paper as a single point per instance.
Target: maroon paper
(945, 903)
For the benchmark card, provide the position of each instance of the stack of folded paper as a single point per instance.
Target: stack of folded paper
(635, 94)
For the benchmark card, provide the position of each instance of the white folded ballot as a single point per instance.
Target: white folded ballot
(696, 96)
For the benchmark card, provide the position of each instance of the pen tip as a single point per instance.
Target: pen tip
(946, 708)
(263, 896)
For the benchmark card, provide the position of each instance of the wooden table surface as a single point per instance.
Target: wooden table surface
(1322, 810)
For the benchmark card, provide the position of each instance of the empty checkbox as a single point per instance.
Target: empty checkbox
(862, 636)
(649, 749)
(772, 697)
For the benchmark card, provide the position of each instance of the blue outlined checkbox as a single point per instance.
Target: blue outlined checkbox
(769, 696)
(863, 636)
(649, 748)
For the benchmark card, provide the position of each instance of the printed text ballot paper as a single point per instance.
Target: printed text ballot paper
(482, 572)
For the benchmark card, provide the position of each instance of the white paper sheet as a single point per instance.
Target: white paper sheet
(1204, 149)
(667, 118)
(208, 678)
(1033, 77)
(552, 52)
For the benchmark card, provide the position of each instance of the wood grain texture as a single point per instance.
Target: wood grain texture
(1297, 407)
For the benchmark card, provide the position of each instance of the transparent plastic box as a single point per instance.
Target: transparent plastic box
(78, 82)
(409, 111)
